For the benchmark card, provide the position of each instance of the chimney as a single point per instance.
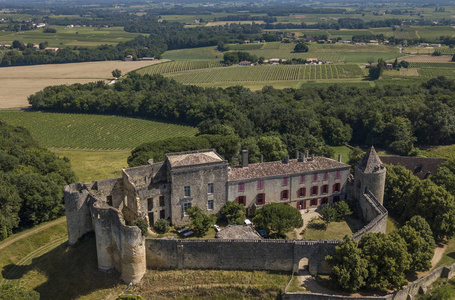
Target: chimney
(312, 156)
(297, 154)
(286, 160)
(339, 157)
(307, 154)
(262, 158)
(244, 158)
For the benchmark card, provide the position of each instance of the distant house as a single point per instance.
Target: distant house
(435, 45)
(128, 58)
(40, 25)
(321, 41)
(147, 58)
(274, 60)
(424, 45)
(389, 66)
(312, 60)
(52, 49)
(245, 63)
(421, 167)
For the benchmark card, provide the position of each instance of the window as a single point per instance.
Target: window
(314, 202)
(260, 184)
(150, 204)
(162, 214)
(284, 194)
(336, 187)
(337, 174)
(109, 200)
(325, 188)
(187, 191)
(326, 176)
(162, 200)
(336, 199)
(210, 188)
(325, 200)
(241, 200)
(302, 178)
(301, 205)
(260, 199)
(285, 180)
(210, 204)
(186, 206)
(315, 177)
(241, 186)
(302, 192)
(314, 190)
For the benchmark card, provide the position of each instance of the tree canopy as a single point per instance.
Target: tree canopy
(31, 181)
(277, 219)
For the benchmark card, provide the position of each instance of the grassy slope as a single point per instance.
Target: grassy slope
(79, 131)
(92, 165)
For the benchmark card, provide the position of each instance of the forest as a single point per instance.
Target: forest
(31, 180)
(394, 117)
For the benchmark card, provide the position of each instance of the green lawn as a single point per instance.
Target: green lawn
(447, 151)
(334, 231)
(82, 131)
(92, 165)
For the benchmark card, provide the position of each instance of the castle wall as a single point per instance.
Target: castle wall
(273, 255)
(118, 246)
(197, 178)
(110, 187)
(273, 186)
(78, 218)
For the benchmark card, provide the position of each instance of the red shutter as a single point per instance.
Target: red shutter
(304, 204)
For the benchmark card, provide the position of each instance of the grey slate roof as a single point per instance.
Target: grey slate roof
(370, 162)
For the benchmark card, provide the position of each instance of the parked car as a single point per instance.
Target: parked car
(217, 228)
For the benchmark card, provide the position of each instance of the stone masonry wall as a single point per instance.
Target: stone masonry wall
(276, 255)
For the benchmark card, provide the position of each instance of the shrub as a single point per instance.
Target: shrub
(233, 212)
(142, 224)
(162, 226)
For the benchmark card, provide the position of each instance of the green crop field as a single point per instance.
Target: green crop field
(82, 36)
(81, 131)
(179, 66)
(431, 65)
(435, 72)
(270, 73)
(203, 53)
(245, 47)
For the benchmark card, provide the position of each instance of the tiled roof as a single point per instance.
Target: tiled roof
(421, 167)
(276, 168)
(193, 158)
(370, 162)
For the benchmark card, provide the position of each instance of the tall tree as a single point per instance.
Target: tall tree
(277, 219)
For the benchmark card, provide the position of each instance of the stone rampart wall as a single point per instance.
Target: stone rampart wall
(374, 213)
(276, 255)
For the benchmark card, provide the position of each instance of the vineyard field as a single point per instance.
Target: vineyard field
(83, 131)
(203, 53)
(431, 65)
(435, 72)
(180, 66)
(270, 73)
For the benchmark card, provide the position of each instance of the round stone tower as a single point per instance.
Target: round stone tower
(370, 176)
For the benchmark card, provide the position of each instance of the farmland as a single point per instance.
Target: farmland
(203, 53)
(270, 73)
(79, 131)
(179, 66)
(17, 83)
(76, 36)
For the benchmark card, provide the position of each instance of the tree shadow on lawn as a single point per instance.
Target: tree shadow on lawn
(71, 271)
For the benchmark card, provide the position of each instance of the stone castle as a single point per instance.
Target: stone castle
(165, 190)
